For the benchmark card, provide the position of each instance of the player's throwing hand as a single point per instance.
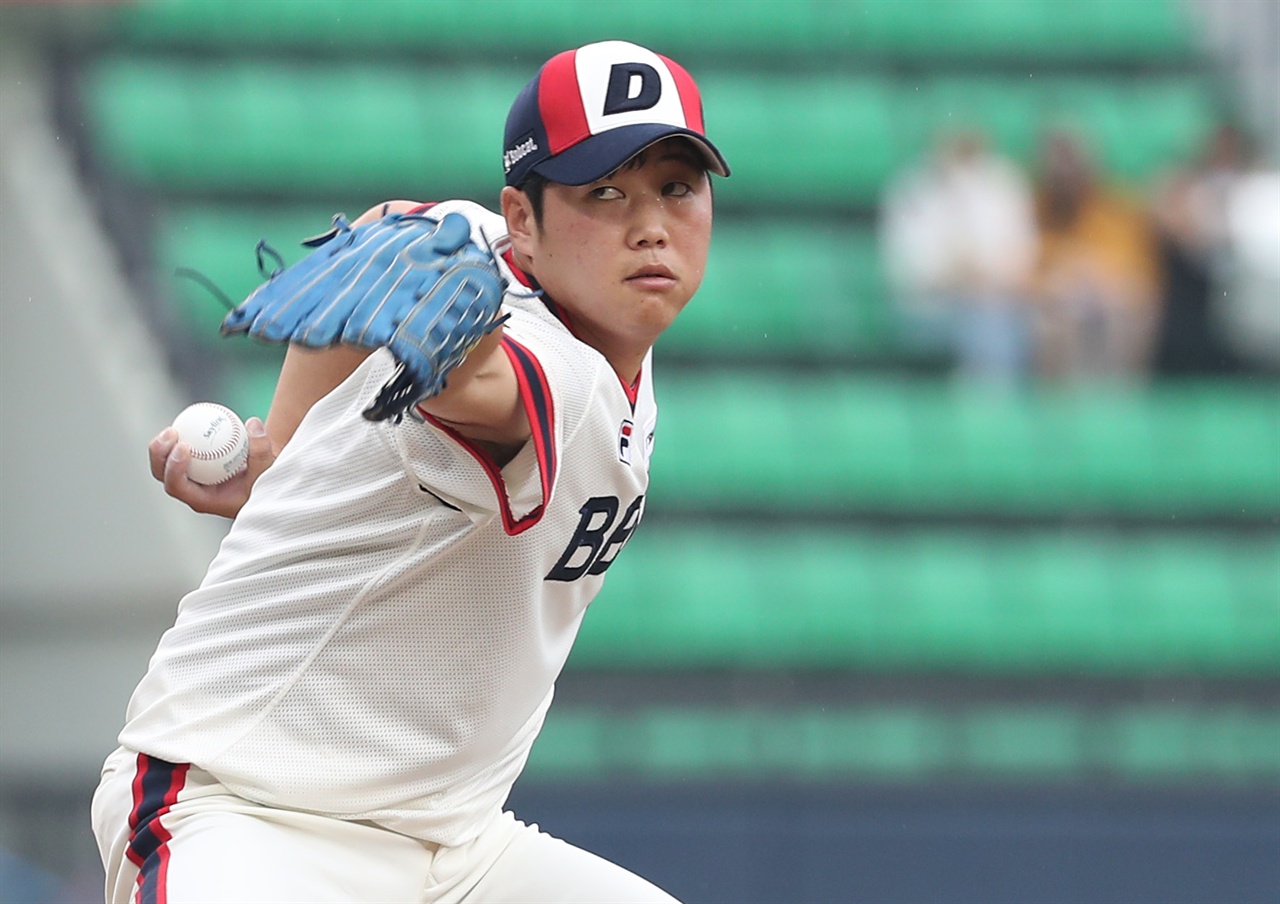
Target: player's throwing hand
(170, 459)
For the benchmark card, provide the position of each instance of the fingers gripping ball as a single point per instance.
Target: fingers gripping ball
(218, 440)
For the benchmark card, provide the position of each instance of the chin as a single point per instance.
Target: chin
(660, 313)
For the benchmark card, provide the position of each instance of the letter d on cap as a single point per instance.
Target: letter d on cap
(618, 98)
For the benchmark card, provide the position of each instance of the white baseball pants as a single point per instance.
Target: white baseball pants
(174, 835)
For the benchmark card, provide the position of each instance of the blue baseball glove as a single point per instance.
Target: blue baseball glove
(413, 283)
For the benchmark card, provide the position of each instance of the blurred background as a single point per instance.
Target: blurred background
(960, 574)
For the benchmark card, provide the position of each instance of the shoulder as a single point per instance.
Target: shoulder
(378, 211)
(487, 227)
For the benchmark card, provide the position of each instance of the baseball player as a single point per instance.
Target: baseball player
(343, 704)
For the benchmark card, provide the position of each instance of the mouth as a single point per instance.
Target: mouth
(652, 276)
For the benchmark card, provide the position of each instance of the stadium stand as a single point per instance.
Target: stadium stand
(850, 30)
(821, 501)
(256, 128)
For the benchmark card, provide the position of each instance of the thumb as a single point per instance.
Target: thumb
(261, 452)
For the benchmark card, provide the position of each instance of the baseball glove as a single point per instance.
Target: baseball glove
(410, 282)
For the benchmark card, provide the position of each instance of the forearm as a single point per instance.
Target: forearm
(307, 376)
(482, 398)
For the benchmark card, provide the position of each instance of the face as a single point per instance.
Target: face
(624, 254)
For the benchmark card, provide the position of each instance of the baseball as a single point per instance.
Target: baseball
(218, 440)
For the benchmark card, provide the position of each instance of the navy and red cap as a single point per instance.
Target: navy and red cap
(590, 110)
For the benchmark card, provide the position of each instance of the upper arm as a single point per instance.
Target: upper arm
(307, 376)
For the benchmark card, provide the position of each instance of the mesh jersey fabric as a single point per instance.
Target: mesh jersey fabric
(379, 635)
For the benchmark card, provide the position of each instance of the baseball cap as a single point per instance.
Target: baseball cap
(589, 110)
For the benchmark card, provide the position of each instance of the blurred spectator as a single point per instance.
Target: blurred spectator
(959, 241)
(1192, 214)
(1097, 280)
(1251, 279)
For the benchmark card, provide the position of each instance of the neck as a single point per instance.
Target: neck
(625, 357)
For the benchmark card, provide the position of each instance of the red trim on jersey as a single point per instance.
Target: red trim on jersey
(560, 314)
(690, 102)
(535, 394)
(632, 390)
(156, 785)
(539, 406)
(422, 208)
(521, 277)
(560, 102)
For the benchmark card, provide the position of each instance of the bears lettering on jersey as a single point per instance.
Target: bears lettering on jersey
(589, 551)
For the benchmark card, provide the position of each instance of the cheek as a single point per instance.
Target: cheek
(697, 244)
(569, 268)
(568, 239)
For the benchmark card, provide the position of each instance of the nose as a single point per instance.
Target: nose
(649, 227)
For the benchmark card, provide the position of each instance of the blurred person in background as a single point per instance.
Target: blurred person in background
(1097, 280)
(958, 237)
(1191, 208)
(1250, 296)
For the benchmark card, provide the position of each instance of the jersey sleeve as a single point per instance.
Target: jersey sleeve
(555, 375)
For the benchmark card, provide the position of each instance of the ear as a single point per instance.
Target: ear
(521, 225)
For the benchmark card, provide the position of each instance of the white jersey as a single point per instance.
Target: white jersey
(379, 635)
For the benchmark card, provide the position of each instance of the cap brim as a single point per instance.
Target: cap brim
(599, 155)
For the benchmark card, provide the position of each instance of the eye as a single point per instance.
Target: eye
(606, 193)
(677, 189)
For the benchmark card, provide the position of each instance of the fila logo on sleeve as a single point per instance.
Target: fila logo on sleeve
(624, 441)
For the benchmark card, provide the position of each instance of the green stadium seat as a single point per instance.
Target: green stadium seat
(830, 586)
(996, 441)
(1135, 127)
(1024, 741)
(745, 438)
(1236, 431)
(826, 143)
(577, 745)
(248, 128)
(1252, 567)
(938, 30)
(248, 387)
(781, 289)
(218, 242)
(1081, 740)
(1059, 602)
(1155, 743)
(1177, 600)
(890, 742)
(254, 128)
(925, 599)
